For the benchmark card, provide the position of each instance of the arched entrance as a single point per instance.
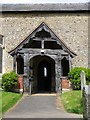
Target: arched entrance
(43, 70)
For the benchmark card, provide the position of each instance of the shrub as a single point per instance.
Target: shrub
(9, 80)
(74, 76)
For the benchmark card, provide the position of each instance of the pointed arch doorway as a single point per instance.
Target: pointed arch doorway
(43, 68)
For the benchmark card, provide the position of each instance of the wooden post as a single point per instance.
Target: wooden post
(86, 102)
(70, 64)
(86, 97)
(83, 80)
(58, 74)
(26, 76)
(14, 63)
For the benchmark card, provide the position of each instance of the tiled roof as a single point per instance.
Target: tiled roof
(44, 7)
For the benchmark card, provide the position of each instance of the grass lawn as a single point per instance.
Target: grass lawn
(8, 100)
(72, 101)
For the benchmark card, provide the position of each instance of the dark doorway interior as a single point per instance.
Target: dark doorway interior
(20, 65)
(65, 67)
(44, 76)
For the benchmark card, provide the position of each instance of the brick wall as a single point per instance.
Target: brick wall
(65, 83)
(20, 84)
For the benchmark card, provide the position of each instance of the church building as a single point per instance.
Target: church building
(43, 42)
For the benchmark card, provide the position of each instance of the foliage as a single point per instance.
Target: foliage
(73, 101)
(9, 99)
(9, 80)
(74, 76)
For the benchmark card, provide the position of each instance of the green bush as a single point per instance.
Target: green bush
(9, 80)
(74, 76)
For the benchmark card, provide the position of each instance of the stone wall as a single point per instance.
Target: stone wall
(71, 28)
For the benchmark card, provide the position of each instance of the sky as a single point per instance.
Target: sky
(41, 1)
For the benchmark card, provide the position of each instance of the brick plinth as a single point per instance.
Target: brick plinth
(65, 83)
(20, 83)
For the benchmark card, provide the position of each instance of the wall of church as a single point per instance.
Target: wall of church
(71, 28)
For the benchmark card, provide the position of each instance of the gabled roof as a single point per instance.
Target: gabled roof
(35, 34)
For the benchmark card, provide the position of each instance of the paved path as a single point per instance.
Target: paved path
(38, 106)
